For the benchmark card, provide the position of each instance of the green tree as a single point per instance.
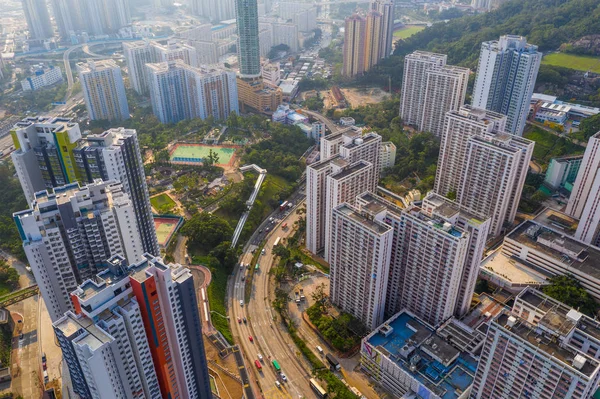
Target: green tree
(569, 291)
(211, 159)
(206, 231)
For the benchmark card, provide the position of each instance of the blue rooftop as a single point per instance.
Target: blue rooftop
(437, 365)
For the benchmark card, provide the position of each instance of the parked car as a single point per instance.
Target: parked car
(250, 338)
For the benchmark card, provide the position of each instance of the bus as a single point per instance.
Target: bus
(258, 365)
(276, 365)
(321, 393)
(283, 206)
(277, 241)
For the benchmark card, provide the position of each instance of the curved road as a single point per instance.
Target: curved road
(330, 125)
(269, 339)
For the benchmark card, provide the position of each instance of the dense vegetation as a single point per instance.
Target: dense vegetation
(281, 153)
(12, 200)
(546, 23)
(588, 128)
(569, 291)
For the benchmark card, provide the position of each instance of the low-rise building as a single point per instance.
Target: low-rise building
(289, 89)
(562, 172)
(41, 78)
(408, 357)
(388, 155)
(347, 121)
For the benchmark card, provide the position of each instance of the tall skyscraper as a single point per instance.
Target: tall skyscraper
(359, 260)
(506, 76)
(65, 15)
(43, 155)
(247, 31)
(445, 90)
(345, 182)
(142, 317)
(103, 90)
(342, 148)
(481, 166)
(68, 235)
(138, 54)
(386, 8)
(373, 35)
(414, 82)
(115, 155)
(354, 46)
(179, 91)
(434, 256)
(585, 197)
(540, 349)
(38, 19)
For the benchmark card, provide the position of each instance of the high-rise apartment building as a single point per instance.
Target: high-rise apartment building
(179, 91)
(345, 182)
(65, 11)
(43, 155)
(103, 90)
(68, 235)
(138, 54)
(115, 155)
(386, 8)
(345, 147)
(373, 34)
(505, 79)
(248, 46)
(584, 202)
(214, 10)
(540, 349)
(146, 317)
(359, 258)
(482, 167)
(434, 256)
(38, 19)
(354, 46)
(414, 82)
(445, 90)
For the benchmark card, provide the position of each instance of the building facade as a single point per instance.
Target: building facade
(67, 237)
(445, 90)
(43, 155)
(536, 351)
(115, 155)
(248, 45)
(42, 78)
(179, 91)
(359, 255)
(38, 19)
(373, 34)
(482, 167)
(583, 202)
(354, 46)
(388, 155)
(562, 172)
(505, 79)
(156, 303)
(414, 83)
(103, 90)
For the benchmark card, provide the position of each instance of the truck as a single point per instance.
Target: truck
(284, 226)
(335, 365)
(283, 206)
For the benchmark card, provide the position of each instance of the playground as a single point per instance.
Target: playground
(194, 154)
(166, 227)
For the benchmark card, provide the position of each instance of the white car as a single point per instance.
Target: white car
(283, 377)
(277, 384)
(241, 302)
(260, 357)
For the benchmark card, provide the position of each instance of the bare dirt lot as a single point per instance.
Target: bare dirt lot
(362, 96)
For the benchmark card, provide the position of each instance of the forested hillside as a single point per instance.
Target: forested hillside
(546, 23)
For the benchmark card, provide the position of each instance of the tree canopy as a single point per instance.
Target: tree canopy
(206, 231)
(569, 291)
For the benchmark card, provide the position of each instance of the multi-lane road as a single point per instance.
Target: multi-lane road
(268, 337)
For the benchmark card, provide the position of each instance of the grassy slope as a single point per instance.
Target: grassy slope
(407, 32)
(578, 62)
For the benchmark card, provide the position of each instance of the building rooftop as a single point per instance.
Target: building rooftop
(95, 337)
(562, 248)
(351, 213)
(448, 209)
(557, 220)
(513, 271)
(413, 346)
(350, 169)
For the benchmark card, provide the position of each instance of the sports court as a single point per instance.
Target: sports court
(193, 154)
(166, 227)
